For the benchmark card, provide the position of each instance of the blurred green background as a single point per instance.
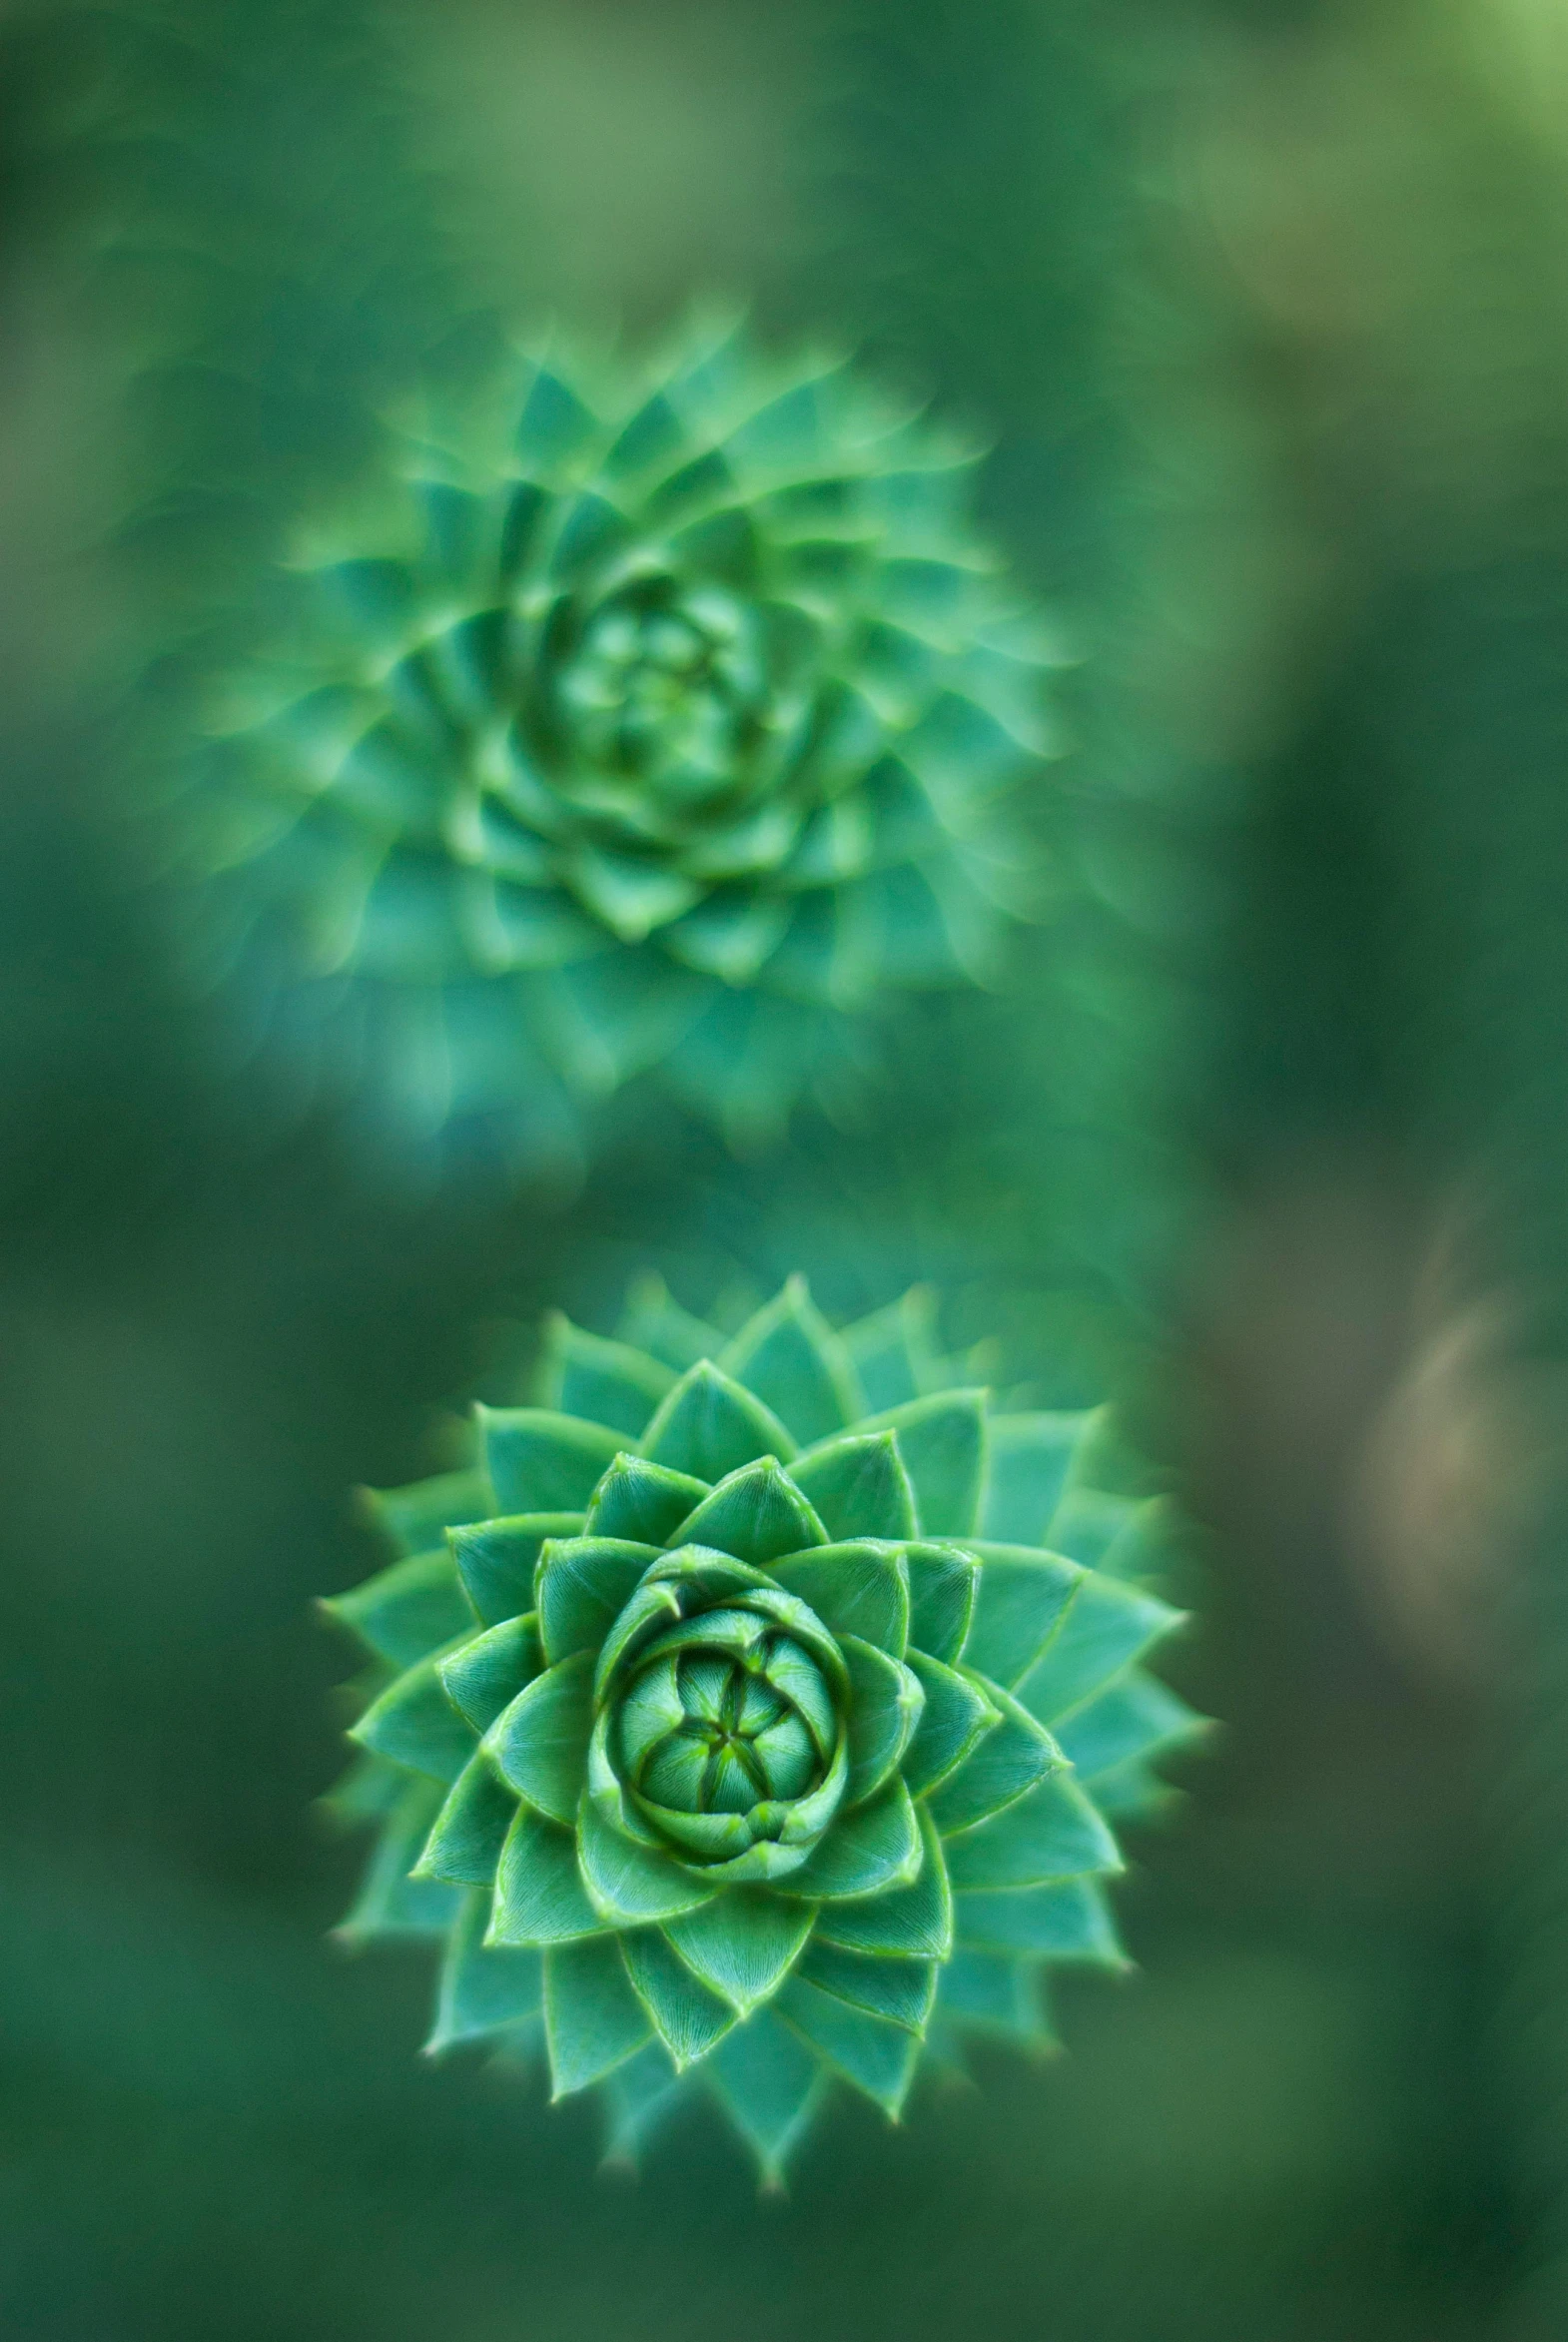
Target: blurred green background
(1264, 310)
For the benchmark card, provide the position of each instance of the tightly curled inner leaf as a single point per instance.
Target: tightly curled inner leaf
(741, 1739)
(660, 715)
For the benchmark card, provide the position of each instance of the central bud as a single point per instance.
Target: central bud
(667, 688)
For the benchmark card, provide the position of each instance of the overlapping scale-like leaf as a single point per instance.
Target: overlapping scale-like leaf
(767, 1759)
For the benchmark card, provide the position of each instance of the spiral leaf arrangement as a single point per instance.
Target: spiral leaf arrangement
(648, 717)
(752, 1712)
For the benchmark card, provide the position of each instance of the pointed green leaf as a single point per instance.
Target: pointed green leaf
(1132, 1791)
(600, 1381)
(1003, 1764)
(690, 2020)
(1022, 1600)
(1132, 1716)
(944, 1583)
(915, 1921)
(583, 1585)
(593, 2019)
(539, 1894)
(406, 1612)
(885, 1705)
(414, 1723)
(642, 1503)
(1030, 1459)
(416, 1518)
(541, 1742)
(792, 1360)
(467, 1836)
(894, 1351)
(636, 2097)
(869, 2052)
(391, 1902)
(993, 1993)
(481, 1991)
(757, 1514)
(630, 1885)
(901, 1990)
(854, 1589)
(876, 1848)
(1052, 1832)
(956, 1714)
(858, 1486)
(490, 1669)
(365, 1791)
(1134, 1548)
(652, 1323)
(1070, 1921)
(942, 1441)
(497, 1560)
(770, 2086)
(708, 1427)
(1108, 1627)
(743, 1944)
(544, 1462)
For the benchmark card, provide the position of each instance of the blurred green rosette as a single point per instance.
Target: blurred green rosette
(639, 716)
(753, 1711)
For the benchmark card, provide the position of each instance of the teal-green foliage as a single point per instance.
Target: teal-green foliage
(755, 1709)
(643, 714)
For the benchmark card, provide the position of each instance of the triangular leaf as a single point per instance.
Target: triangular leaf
(791, 1359)
(1108, 1627)
(416, 1518)
(406, 1612)
(872, 2054)
(885, 1705)
(630, 1885)
(914, 1920)
(854, 1589)
(489, 1670)
(708, 1427)
(956, 1714)
(593, 2019)
(769, 2084)
(894, 1351)
(756, 1514)
(1022, 1600)
(942, 1586)
(544, 1462)
(497, 1560)
(993, 1993)
(858, 1486)
(743, 1944)
(876, 1848)
(652, 1323)
(1030, 1459)
(1132, 1716)
(1089, 1526)
(1006, 1762)
(539, 1894)
(540, 1744)
(942, 1441)
(481, 1991)
(584, 1584)
(602, 1382)
(1070, 1921)
(467, 1836)
(642, 1503)
(689, 2018)
(414, 1723)
(391, 1902)
(901, 1990)
(1052, 1833)
(636, 2097)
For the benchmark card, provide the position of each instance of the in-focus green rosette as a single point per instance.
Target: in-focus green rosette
(753, 1711)
(643, 716)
